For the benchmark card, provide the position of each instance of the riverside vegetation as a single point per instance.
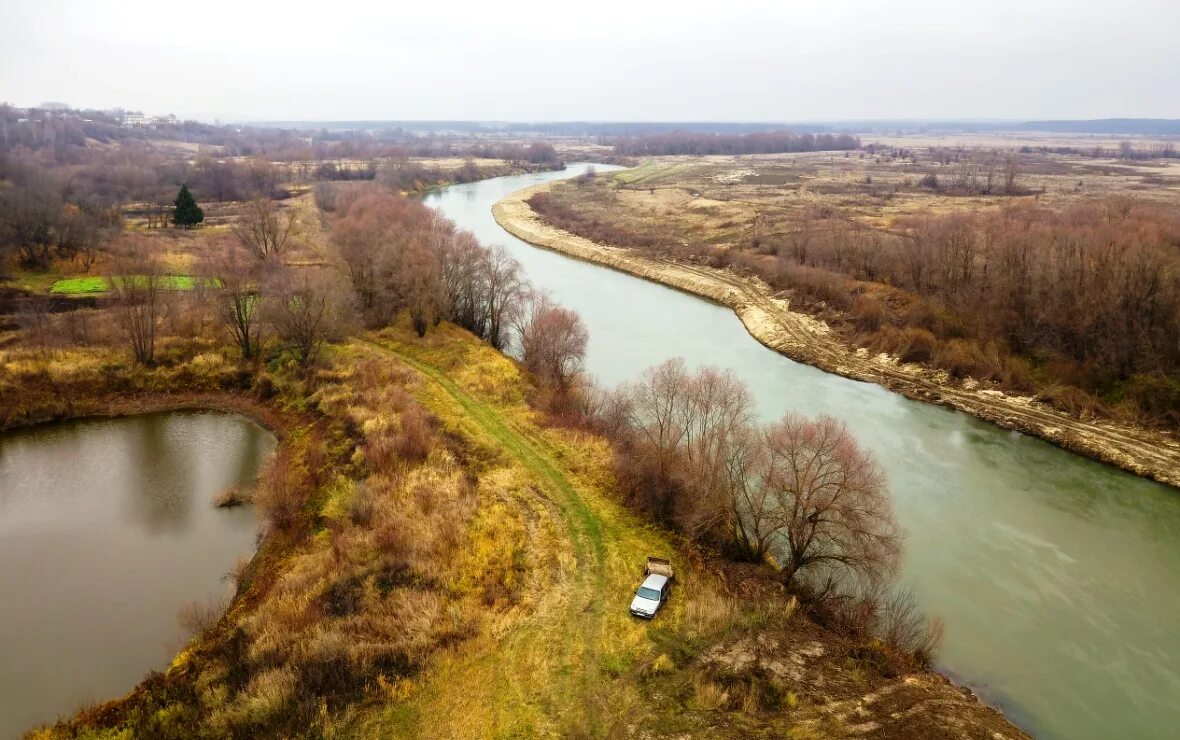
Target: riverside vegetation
(451, 536)
(933, 290)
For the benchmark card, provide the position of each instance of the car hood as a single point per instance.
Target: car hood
(647, 606)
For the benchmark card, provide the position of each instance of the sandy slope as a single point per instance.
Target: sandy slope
(805, 339)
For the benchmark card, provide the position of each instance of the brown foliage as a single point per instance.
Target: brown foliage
(398, 253)
(264, 230)
(306, 310)
(760, 142)
(138, 290)
(552, 342)
(915, 345)
(284, 487)
(237, 300)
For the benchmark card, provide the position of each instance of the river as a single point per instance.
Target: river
(107, 528)
(1058, 577)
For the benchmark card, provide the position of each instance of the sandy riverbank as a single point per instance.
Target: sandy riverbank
(808, 340)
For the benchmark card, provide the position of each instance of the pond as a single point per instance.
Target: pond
(108, 529)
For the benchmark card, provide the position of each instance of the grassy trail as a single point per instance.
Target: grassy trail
(560, 652)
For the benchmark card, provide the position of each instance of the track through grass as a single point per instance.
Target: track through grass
(571, 691)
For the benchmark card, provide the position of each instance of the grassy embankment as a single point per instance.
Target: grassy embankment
(466, 577)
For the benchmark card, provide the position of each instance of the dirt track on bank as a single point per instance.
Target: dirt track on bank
(808, 340)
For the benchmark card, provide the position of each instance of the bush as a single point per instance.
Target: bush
(1156, 397)
(414, 439)
(868, 313)
(1069, 399)
(815, 284)
(283, 489)
(962, 358)
(915, 345)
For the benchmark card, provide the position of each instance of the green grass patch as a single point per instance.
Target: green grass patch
(80, 285)
(99, 284)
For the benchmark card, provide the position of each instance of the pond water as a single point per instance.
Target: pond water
(107, 529)
(1058, 577)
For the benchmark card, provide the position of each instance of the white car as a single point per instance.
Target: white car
(651, 595)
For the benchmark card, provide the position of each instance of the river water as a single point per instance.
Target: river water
(107, 528)
(1058, 577)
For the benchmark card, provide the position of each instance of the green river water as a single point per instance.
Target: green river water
(1058, 577)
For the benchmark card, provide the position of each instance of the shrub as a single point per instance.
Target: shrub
(197, 616)
(868, 313)
(962, 358)
(1069, 399)
(283, 489)
(232, 496)
(1156, 397)
(915, 345)
(815, 284)
(414, 439)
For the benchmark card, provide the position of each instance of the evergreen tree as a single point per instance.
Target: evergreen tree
(186, 213)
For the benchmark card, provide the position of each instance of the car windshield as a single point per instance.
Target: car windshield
(648, 593)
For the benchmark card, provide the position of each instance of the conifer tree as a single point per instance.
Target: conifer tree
(187, 213)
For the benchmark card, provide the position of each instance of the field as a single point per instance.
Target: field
(726, 201)
(946, 253)
(92, 284)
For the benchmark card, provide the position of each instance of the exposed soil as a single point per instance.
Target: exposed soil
(805, 339)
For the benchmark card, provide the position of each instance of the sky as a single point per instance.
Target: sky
(605, 60)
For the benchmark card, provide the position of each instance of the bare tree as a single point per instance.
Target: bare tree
(465, 282)
(35, 320)
(264, 229)
(420, 285)
(236, 279)
(552, 341)
(29, 214)
(305, 310)
(836, 521)
(1011, 172)
(137, 286)
(682, 430)
(506, 288)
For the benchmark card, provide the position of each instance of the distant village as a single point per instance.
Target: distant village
(127, 119)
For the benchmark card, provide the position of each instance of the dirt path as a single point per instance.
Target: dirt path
(808, 340)
(560, 646)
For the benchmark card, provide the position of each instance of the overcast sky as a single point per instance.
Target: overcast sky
(598, 60)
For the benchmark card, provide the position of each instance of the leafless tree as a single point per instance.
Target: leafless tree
(235, 279)
(682, 431)
(305, 310)
(1011, 172)
(29, 215)
(35, 320)
(552, 341)
(506, 287)
(264, 229)
(465, 282)
(137, 286)
(837, 520)
(420, 284)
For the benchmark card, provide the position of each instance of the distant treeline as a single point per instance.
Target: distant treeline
(64, 136)
(1125, 150)
(762, 142)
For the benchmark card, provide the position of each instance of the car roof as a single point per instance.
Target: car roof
(655, 580)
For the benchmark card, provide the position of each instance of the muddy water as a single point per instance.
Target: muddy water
(1058, 577)
(107, 529)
